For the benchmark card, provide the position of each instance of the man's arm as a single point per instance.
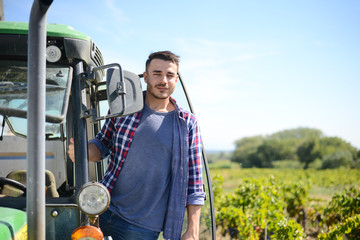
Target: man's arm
(193, 216)
(94, 152)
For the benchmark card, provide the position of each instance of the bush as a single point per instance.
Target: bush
(342, 206)
(278, 207)
(349, 229)
(257, 208)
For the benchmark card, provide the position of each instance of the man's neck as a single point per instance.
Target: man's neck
(159, 105)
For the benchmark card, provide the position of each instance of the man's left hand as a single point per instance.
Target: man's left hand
(189, 236)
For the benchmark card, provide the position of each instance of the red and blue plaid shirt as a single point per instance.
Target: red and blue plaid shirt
(116, 137)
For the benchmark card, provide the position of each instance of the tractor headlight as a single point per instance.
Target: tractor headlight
(53, 53)
(93, 198)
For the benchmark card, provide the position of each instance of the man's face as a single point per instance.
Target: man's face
(161, 78)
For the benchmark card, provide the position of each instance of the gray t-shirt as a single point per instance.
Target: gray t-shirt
(141, 192)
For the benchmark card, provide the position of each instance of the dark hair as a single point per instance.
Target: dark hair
(163, 55)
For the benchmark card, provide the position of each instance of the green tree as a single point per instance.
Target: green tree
(297, 133)
(303, 144)
(245, 147)
(336, 152)
(266, 153)
(338, 159)
(330, 145)
(308, 152)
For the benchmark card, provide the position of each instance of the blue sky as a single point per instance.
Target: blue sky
(251, 67)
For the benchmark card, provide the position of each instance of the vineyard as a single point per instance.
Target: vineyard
(286, 203)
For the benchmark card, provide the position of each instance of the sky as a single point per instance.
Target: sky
(250, 67)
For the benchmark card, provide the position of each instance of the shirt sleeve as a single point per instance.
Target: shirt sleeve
(103, 139)
(196, 194)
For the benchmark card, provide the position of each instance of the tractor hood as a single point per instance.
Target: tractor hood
(13, 224)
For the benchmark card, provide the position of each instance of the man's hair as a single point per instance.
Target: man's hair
(163, 55)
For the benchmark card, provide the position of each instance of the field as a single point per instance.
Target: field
(324, 183)
(307, 202)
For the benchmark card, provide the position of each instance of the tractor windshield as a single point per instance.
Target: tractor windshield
(13, 95)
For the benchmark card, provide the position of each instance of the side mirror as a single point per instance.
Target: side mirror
(125, 95)
(123, 91)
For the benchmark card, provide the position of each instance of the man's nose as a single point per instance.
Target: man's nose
(164, 79)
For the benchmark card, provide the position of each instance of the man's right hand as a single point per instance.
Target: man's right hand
(71, 151)
(94, 152)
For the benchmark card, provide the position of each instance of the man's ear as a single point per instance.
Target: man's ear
(145, 77)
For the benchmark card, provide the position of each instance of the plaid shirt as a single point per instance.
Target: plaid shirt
(116, 137)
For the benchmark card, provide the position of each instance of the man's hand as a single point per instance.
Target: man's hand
(189, 236)
(71, 151)
(94, 153)
(193, 213)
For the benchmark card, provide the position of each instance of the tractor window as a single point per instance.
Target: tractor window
(13, 95)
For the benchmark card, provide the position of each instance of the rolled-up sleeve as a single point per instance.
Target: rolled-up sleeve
(103, 139)
(196, 193)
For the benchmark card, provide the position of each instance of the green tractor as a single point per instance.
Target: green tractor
(54, 86)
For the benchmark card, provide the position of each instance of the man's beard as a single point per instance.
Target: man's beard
(152, 90)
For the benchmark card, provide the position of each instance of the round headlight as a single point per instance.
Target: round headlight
(93, 198)
(53, 54)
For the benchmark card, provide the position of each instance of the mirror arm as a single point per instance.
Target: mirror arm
(106, 66)
(89, 113)
(121, 90)
(92, 114)
(88, 79)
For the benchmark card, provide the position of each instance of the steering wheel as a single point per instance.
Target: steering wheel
(13, 183)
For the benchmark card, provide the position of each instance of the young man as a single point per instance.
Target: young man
(155, 163)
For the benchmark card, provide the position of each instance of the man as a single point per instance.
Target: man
(155, 163)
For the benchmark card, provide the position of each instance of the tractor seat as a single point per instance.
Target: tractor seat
(20, 176)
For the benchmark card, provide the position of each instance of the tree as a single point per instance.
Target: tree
(303, 144)
(245, 147)
(338, 159)
(330, 145)
(308, 152)
(265, 154)
(298, 133)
